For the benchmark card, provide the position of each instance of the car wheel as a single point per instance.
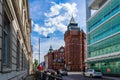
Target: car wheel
(91, 75)
(84, 75)
(100, 76)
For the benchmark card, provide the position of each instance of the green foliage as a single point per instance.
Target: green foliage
(35, 62)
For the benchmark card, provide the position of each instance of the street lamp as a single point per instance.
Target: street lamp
(39, 46)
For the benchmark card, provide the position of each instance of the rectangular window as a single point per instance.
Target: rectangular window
(6, 45)
(18, 55)
(6, 42)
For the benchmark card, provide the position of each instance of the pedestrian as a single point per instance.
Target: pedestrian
(40, 69)
(58, 75)
(44, 77)
(52, 76)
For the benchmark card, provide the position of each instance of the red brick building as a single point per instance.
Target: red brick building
(55, 58)
(59, 58)
(75, 47)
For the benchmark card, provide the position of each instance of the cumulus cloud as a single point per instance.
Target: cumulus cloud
(43, 30)
(54, 10)
(70, 8)
(57, 18)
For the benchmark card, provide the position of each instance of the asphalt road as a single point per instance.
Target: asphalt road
(80, 77)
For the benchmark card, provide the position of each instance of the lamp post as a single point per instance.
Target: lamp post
(39, 50)
(39, 46)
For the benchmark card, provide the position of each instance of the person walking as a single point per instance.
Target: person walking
(51, 77)
(44, 77)
(58, 75)
(40, 69)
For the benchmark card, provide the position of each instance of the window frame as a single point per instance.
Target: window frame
(6, 66)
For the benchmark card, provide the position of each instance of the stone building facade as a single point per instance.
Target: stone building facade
(15, 43)
(75, 47)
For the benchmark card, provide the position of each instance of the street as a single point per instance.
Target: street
(78, 76)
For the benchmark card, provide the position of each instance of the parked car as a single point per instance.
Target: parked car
(49, 71)
(93, 73)
(63, 72)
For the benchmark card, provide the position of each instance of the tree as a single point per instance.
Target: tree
(35, 64)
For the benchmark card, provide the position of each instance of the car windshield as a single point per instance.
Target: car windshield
(97, 71)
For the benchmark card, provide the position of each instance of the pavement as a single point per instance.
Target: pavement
(30, 77)
(112, 78)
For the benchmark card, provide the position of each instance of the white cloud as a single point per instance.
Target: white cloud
(43, 30)
(70, 8)
(57, 18)
(62, 27)
(32, 22)
(54, 10)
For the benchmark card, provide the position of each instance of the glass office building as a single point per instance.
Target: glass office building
(103, 35)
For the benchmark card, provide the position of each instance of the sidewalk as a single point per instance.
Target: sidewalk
(112, 78)
(75, 73)
(106, 77)
(30, 77)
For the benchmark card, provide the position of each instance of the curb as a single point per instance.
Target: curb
(111, 78)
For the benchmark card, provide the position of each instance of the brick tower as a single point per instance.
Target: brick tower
(75, 49)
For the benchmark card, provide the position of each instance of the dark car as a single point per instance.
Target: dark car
(63, 72)
(49, 71)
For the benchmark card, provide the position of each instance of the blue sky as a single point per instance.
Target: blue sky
(50, 18)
